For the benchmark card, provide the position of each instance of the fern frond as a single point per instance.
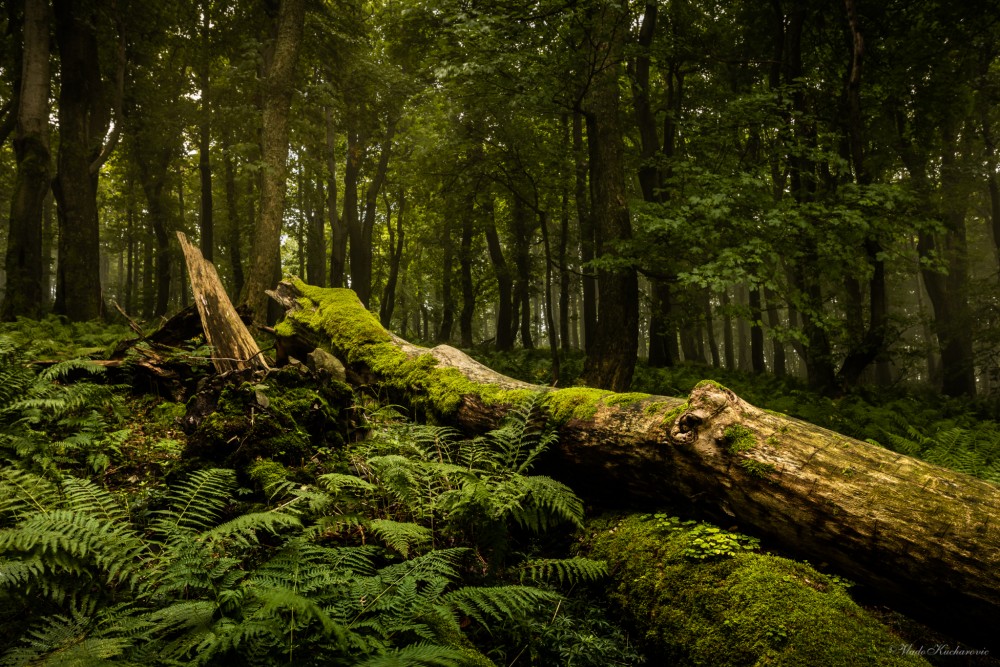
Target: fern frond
(548, 503)
(499, 603)
(23, 492)
(86, 497)
(336, 483)
(63, 369)
(65, 640)
(565, 571)
(196, 503)
(417, 655)
(401, 536)
(243, 529)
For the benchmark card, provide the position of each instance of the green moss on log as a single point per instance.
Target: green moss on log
(747, 609)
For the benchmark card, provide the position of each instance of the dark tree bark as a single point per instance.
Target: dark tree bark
(662, 334)
(278, 86)
(361, 227)
(504, 337)
(205, 221)
(586, 230)
(396, 241)
(550, 323)
(84, 116)
(757, 364)
(521, 228)
(773, 323)
(315, 233)
(338, 230)
(233, 236)
(23, 294)
(153, 175)
(447, 297)
(468, 288)
(925, 536)
(612, 355)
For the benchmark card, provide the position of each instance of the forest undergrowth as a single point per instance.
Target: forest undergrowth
(295, 524)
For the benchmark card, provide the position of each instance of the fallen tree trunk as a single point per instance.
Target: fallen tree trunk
(926, 537)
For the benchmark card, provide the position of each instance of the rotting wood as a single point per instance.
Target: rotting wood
(234, 348)
(924, 537)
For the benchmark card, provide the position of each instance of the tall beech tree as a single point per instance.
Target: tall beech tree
(84, 117)
(277, 87)
(23, 262)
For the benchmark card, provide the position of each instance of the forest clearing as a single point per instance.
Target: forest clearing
(549, 332)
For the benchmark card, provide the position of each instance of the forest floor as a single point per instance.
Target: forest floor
(264, 517)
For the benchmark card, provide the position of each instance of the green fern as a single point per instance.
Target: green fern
(489, 604)
(564, 571)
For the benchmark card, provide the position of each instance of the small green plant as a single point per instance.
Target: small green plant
(704, 541)
(758, 469)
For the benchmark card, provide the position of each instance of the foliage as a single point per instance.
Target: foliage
(50, 423)
(701, 540)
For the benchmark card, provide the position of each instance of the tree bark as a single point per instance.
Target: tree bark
(234, 347)
(611, 356)
(205, 220)
(23, 294)
(278, 86)
(505, 312)
(468, 312)
(83, 122)
(396, 245)
(925, 537)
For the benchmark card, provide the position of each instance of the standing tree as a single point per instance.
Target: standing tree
(23, 295)
(278, 85)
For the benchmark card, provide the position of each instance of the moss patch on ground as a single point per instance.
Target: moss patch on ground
(743, 609)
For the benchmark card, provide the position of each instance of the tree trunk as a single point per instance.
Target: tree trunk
(468, 311)
(83, 123)
(586, 230)
(505, 312)
(205, 220)
(926, 537)
(23, 294)
(396, 239)
(611, 356)
(233, 220)
(234, 347)
(278, 86)
(338, 233)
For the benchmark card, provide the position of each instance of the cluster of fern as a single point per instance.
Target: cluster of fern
(399, 558)
(51, 424)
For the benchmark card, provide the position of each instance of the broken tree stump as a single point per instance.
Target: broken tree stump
(926, 538)
(234, 348)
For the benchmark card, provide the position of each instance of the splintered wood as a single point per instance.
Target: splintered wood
(234, 347)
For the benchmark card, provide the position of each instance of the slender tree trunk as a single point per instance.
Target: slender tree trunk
(612, 356)
(205, 220)
(713, 344)
(773, 323)
(550, 324)
(315, 234)
(338, 233)
(23, 294)
(757, 364)
(278, 86)
(234, 238)
(505, 312)
(727, 333)
(396, 245)
(447, 300)
(468, 311)
(360, 228)
(83, 122)
(522, 232)
(585, 223)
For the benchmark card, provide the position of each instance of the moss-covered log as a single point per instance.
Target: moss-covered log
(926, 537)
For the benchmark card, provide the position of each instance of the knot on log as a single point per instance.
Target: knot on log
(710, 406)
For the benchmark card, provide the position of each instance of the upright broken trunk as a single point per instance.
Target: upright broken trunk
(235, 348)
(925, 536)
